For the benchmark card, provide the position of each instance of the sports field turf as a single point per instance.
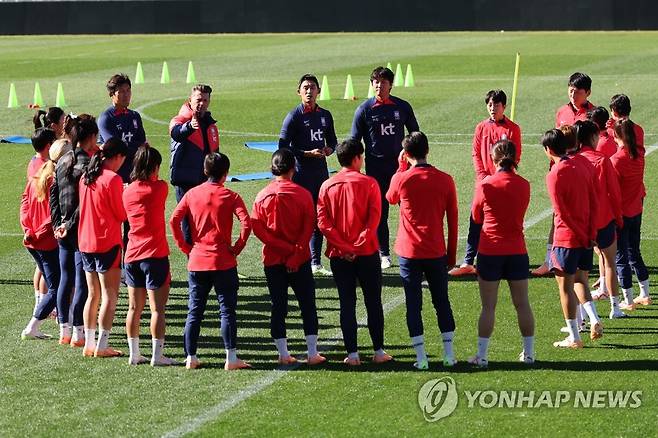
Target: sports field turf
(49, 390)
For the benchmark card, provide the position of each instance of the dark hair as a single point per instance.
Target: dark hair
(555, 141)
(282, 161)
(570, 137)
(381, 73)
(216, 165)
(42, 137)
(145, 161)
(347, 150)
(600, 116)
(308, 77)
(415, 145)
(110, 149)
(498, 96)
(625, 130)
(78, 128)
(69, 122)
(116, 82)
(204, 89)
(621, 104)
(587, 133)
(580, 81)
(503, 154)
(43, 119)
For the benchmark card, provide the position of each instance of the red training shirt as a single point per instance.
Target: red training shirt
(607, 189)
(568, 114)
(144, 202)
(34, 165)
(500, 204)
(283, 218)
(487, 133)
(35, 218)
(630, 173)
(349, 208)
(209, 208)
(425, 195)
(101, 213)
(606, 145)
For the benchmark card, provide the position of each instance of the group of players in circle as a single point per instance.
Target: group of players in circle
(90, 212)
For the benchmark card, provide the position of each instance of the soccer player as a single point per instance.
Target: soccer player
(628, 163)
(120, 122)
(620, 109)
(487, 133)
(426, 196)
(147, 261)
(39, 239)
(349, 210)
(579, 89)
(283, 218)
(380, 122)
(609, 211)
(65, 215)
(100, 240)
(501, 201)
(212, 257)
(194, 135)
(606, 144)
(308, 131)
(571, 190)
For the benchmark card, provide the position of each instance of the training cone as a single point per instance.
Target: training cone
(389, 66)
(325, 94)
(191, 77)
(371, 91)
(139, 74)
(60, 101)
(164, 78)
(409, 77)
(38, 100)
(399, 77)
(13, 99)
(349, 89)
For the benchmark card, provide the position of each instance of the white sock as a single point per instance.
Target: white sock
(37, 298)
(573, 329)
(483, 348)
(354, 355)
(232, 355)
(281, 346)
(529, 346)
(418, 342)
(602, 285)
(191, 358)
(584, 316)
(133, 347)
(591, 312)
(644, 288)
(90, 339)
(614, 303)
(158, 346)
(64, 330)
(628, 295)
(312, 345)
(103, 339)
(447, 344)
(33, 325)
(579, 316)
(380, 352)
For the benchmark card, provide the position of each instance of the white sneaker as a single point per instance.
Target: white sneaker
(25, 334)
(478, 362)
(319, 270)
(617, 314)
(599, 294)
(582, 329)
(137, 360)
(163, 362)
(526, 359)
(386, 262)
(449, 361)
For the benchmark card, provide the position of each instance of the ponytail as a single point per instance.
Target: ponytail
(625, 130)
(43, 119)
(110, 149)
(43, 178)
(37, 119)
(81, 128)
(503, 154)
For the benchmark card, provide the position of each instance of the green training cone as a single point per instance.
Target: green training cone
(371, 91)
(139, 74)
(164, 78)
(389, 66)
(409, 77)
(399, 77)
(325, 94)
(38, 100)
(13, 99)
(349, 89)
(191, 77)
(60, 101)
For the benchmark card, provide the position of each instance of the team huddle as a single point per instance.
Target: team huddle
(93, 212)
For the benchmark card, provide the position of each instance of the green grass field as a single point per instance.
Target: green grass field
(49, 390)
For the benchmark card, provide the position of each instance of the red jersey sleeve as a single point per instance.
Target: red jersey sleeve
(614, 191)
(116, 199)
(327, 226)
(453, 227)
(240, 211)
(477, 210)
(393, 193)
(25, 210)
(480, 167)
(299, 255)
(516, 132)
(181, 210)
(374, 206)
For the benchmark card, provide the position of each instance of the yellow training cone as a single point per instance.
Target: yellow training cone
(13, 99)
(399, 77)
(325, 94)
(139, 74)
(38, 100)
(164, 78)
(409, 77)
(59, 100)
(349, 89)
(191, 77)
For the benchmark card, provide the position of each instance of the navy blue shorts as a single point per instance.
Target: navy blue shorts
(152, 273)
(505, 267)
(569, 260)
(606, 236)
(101, 261)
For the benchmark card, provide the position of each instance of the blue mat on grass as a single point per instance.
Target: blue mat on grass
(267, 146)
(16, 139)
(250, 176)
